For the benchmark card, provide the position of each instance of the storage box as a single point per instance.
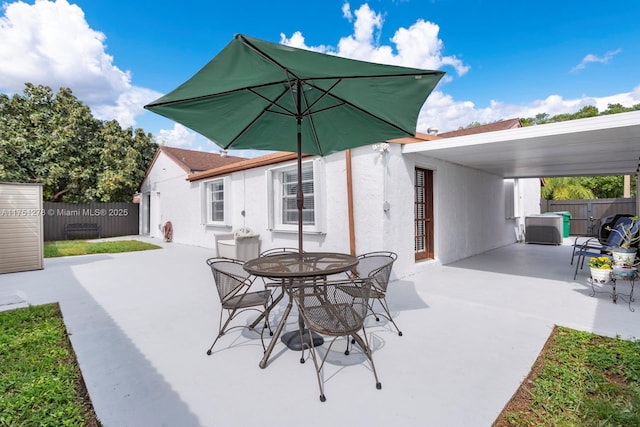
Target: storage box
(543, 229)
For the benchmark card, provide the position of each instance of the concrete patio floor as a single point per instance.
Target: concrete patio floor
(140, 324)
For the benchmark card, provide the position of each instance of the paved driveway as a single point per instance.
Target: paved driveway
(140, 324)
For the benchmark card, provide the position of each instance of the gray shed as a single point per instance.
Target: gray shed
(21, 236)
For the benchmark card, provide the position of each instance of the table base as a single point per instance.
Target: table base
(292, 340)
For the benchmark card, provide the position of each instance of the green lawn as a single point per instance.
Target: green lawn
(83, 247)
(40, 381)
(579, 379)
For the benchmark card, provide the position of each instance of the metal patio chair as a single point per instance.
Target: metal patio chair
(593, 248)
(279, 251)
(600, 242)
(336, 309)
(233, 284)
(377, 267)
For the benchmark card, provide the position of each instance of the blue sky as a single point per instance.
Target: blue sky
(503, 59)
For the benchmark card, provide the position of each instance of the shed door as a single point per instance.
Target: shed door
(424, 214)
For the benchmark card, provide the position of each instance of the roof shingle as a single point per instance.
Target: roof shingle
(193, 161)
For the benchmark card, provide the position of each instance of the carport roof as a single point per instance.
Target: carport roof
(603, 145)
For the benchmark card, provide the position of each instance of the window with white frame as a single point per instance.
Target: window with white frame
(214, 206)
(283, 188)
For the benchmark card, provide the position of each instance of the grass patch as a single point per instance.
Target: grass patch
(40, 381)
(579, 379)
(83, 247)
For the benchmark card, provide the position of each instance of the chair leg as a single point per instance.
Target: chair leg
(364, 344)
(383, 303)
(266, 324)
(318, 368)
(221, 330)
(580, 258)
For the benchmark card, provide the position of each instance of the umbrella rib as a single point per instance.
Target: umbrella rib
(292, 80)
(345, 102)
(281, 82)
(274, 102)
(286, 112)
(215, 95)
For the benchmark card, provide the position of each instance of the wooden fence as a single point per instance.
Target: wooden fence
(114, 219)
(586, 214)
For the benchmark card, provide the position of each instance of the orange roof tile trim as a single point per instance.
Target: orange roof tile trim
(257, 162)
(491, 127)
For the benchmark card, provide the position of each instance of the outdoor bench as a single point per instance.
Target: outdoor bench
(81, 228)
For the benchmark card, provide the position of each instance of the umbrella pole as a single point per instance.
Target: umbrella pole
(299, 195)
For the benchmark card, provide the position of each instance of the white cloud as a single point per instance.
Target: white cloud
(127, 106)
(594, 58)
(182, 137)
(51, 43)
(441, 111)
(179, 136)
(417, 46)
(346, 12)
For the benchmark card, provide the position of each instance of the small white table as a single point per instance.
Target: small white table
(629, 274)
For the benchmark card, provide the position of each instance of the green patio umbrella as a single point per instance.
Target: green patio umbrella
(261, 95)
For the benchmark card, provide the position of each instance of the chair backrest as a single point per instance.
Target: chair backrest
(279, 251)
(614, 238)
(333, 307)
(229, 276)
(608, 223)
(376, 266)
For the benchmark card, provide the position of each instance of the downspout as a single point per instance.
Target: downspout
(638, 192)
(352, 231)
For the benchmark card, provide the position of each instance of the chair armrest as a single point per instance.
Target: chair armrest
(592, 243)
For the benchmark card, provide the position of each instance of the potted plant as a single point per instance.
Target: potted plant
(624, 254)
(601, 268)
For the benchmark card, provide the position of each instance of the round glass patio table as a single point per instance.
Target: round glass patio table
(290, 267)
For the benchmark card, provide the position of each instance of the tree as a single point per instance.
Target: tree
(54, 139)
(619, 108)
(565, 189)
(603, 187)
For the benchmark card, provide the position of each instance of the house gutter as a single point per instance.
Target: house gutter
(352, 231)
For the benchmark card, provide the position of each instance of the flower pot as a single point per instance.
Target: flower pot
(600, 275)
(625, 273)
(623, 256)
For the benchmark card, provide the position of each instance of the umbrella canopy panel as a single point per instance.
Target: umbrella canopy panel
(254, 93)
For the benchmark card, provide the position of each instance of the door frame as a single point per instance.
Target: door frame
(426, 201)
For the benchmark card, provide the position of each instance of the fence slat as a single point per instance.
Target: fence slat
(586, 214)
(115, 219)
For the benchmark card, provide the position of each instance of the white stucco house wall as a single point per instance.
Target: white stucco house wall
(473, 211)
(165, 193)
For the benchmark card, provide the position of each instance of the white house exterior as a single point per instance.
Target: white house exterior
(484, 185)
(470, 211)
(165, 192)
